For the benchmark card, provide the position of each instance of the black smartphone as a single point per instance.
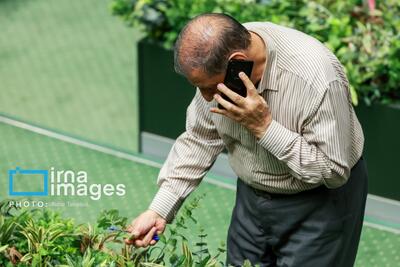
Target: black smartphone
(232, 79)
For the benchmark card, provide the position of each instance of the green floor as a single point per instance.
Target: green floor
(29, 150)
(70, 66)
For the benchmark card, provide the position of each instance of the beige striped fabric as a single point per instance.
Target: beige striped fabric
(315, 137)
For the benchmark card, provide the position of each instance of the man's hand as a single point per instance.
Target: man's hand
(144, 227)
(251, 111)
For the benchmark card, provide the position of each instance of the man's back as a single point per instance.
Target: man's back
(307, 92)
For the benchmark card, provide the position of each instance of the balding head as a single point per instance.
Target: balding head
(206, 43)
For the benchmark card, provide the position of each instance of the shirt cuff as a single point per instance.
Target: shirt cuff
(277, 138)
(166, 204)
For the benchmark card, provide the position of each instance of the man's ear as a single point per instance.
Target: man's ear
(238, 55)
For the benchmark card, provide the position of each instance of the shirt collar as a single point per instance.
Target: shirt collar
(269, 78)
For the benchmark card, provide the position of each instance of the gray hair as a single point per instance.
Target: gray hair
(207, 41)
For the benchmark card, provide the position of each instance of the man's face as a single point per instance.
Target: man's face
(206, 84)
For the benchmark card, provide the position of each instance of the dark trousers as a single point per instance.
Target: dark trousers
(320, 227)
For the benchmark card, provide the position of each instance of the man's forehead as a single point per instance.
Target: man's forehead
(197, 77)
(203, 80)
(197, 74)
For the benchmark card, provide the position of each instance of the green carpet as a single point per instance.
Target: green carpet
(70, 66)
(29, 150)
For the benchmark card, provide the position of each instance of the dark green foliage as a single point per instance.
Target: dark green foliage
(366, 42)
(41, 237)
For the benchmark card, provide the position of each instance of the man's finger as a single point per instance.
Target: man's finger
(251, 89)
(129, 228)
(149, 236)
(218, 110)
(129, 241)
(236, 98)
(145, 241)
(224, 112)
(138, 243)
(226, 104)
(134, 234)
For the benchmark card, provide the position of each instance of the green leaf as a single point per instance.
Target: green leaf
(204, 261)
(26, 258)
(354, 98)
(187, 253)
(247, 263)
(201, 252)
(3, 248)
(173, 259)
(151, 264)
(162, 238)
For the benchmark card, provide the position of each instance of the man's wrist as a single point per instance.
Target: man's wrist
(154, 213)
(277, 139)
(166, 204)
(259, 133)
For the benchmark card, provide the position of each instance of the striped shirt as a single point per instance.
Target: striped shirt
(314, 139)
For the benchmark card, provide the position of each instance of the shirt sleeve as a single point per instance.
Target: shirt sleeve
(192, 155)
(321, 153)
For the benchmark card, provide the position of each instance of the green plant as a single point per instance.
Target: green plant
(41, 237)
(365, 41)
(7, 228)
(41, 242)
(8, 232)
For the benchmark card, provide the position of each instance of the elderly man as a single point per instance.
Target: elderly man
(294, 142)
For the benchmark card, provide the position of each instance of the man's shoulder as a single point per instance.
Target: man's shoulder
(298, 53)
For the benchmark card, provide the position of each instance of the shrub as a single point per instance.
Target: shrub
(366, 41)
(43, 238)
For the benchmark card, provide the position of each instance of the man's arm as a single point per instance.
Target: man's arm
(322, 152)
(190, 158)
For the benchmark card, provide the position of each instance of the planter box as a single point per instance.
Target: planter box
(164, 97)
(381, 125)
(163, 94)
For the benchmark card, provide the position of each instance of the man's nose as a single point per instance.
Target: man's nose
(209, 96)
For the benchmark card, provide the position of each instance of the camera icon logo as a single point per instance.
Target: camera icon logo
(15, 175)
